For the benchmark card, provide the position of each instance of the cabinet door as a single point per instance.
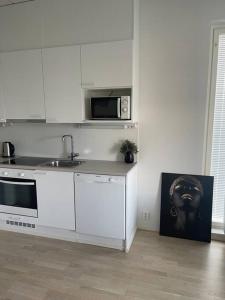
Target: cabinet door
(23, 84)
(62, 84)
(55, 196)
(107, 64)
(2, 109)
(100, 205)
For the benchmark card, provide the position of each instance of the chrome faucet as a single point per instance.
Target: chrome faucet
(72, 155)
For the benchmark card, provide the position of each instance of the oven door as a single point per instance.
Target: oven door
(106, 108)
(18, 196)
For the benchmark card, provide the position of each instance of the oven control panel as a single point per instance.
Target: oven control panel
(17, 173)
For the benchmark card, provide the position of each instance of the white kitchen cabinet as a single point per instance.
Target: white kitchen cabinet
(55, 197)
(62, 84)
(2, 108)
(23, 84)
(100, 205)
(107, 64)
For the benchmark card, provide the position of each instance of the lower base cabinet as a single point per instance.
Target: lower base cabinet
(100, 205)
(55, 194)
(88, 208)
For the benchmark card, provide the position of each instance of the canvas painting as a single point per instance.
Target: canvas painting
(186, 206)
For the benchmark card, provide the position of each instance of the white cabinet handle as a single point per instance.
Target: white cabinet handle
(17, 183)
(40, 173)
(51, 120)
(87, 84)
(35, 116)
(96, 181)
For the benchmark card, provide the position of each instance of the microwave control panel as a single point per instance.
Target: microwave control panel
(125, 107)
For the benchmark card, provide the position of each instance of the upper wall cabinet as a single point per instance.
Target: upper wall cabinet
(23, 84)
(107, 64)
(62, 84)
(2, 109)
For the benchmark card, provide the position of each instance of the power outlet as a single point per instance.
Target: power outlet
(146, 215)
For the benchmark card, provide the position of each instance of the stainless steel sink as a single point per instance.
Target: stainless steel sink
(63, 163)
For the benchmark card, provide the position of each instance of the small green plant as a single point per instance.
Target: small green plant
(128, 146)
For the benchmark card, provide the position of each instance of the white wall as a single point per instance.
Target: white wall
(46, 140)
(174, 57)
(47, 23)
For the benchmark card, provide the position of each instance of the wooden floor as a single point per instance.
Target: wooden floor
(158, 268)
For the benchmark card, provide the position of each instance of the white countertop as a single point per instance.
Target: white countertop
(114, 168)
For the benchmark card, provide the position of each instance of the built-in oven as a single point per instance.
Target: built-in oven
(18, 194)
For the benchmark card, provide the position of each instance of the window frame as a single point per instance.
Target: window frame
(216, 30)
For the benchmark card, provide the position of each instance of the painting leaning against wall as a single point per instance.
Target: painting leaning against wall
(186, 206)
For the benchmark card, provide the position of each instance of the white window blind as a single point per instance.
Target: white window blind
(218, 137)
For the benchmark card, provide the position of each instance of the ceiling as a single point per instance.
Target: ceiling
(10, 2)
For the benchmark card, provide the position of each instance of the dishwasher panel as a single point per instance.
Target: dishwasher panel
(100, 205)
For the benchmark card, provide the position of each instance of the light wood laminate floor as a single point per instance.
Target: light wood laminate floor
(156, 267)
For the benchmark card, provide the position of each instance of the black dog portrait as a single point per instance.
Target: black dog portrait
(186, 206)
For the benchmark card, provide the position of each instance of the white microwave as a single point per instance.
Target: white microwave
(111, 108)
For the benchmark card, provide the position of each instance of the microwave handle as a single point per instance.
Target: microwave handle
(118, 107)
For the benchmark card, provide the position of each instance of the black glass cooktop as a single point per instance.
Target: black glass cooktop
(26, 161)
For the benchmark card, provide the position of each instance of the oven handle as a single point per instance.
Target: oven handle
(17, 183)
(118, 107)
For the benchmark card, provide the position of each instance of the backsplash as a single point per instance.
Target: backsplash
(46, 140)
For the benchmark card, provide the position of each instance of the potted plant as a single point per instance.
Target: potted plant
(128, 148)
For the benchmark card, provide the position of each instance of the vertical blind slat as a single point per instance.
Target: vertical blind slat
(218, 140)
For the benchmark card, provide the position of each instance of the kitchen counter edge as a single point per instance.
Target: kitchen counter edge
(101, 167)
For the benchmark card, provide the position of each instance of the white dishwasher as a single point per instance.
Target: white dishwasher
(100, 205)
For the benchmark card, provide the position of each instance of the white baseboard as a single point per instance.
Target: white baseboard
(218, 235)
(100, 241)
(67, 235)
(129, 240)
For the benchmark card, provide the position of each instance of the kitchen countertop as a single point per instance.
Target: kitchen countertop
(104, 167)
(114, 168)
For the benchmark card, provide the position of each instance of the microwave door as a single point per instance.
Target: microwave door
(105, 108)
